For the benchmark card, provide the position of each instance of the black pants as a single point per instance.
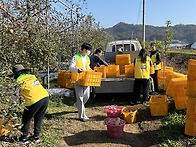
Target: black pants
(37, 111)
(141, 86)
(155, 79)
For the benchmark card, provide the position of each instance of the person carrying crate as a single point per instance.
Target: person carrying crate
(79, 63)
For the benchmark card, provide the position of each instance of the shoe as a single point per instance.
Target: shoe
(35, 139)
(22, 140)
(75, 105)
(145, 103)
(153, 93)
(84, 119)
(133, 103)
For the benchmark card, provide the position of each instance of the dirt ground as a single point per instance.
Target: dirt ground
(142, 133)
(93, 133)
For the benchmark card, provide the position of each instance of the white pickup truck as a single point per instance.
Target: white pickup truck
(120, 84)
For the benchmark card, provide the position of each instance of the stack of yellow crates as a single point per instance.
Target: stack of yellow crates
(169, 89)
(168, 73)
(64, 79)
(103, 69)
(129, 71)
(190, 125)
(177, 88)
(122, 60)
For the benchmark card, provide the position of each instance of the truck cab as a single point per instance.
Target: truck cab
(113, 48)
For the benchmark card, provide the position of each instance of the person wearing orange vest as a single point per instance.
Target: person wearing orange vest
(78, 63)
(36, 100)
(156, 61)
(142, 65)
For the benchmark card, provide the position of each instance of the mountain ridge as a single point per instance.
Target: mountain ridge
(123, 31)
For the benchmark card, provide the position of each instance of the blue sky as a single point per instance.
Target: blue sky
(157, 12)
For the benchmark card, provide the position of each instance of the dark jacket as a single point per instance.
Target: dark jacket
(96, 60)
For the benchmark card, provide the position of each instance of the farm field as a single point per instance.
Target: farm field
(62, 128)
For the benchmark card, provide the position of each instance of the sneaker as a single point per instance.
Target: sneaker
(133, 103)
(146, 103)
(35, 139)
(84, 119)
(22, 140)
(75, 105)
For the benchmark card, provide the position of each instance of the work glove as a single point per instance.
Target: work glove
(154, 64)
(79, 70)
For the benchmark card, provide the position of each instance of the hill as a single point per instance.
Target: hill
(121, 31)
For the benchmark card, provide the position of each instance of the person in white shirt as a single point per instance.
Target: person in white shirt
(78, 63)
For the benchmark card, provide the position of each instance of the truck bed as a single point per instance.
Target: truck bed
(115, 85)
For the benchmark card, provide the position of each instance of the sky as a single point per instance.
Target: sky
(157, 12)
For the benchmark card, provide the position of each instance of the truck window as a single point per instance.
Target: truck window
(113, 48)
(132, 47)
(126, 47)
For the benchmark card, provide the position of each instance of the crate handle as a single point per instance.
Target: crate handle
(159, 97)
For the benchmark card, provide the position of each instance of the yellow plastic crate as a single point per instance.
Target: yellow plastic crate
(191, 78)
(129, 71)
(123, 59)
(179, 93)
(191, 107)
(168, 73)
(61, 78)
(168, 78)
(191, 88)
(158, 105)
(102, 69)
(190, 127)
(122, 69)
(170, 88)
(192, 70)
(6, 129)
(113, 71)
(129, 114)
(89, 78)
(64, 79)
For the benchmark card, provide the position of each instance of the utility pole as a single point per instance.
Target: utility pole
(47, 37)
(144, 24)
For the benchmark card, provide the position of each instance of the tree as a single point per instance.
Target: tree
(34, 32)
(168, 38)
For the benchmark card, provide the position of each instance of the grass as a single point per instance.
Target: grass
(181, 51)
(53, 123)
(170, 135)
(172, 132)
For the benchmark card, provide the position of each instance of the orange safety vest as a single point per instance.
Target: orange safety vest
(142, 70)
(31, 89)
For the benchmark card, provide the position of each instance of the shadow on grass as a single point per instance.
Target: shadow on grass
(100, 137)
(55, 115)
